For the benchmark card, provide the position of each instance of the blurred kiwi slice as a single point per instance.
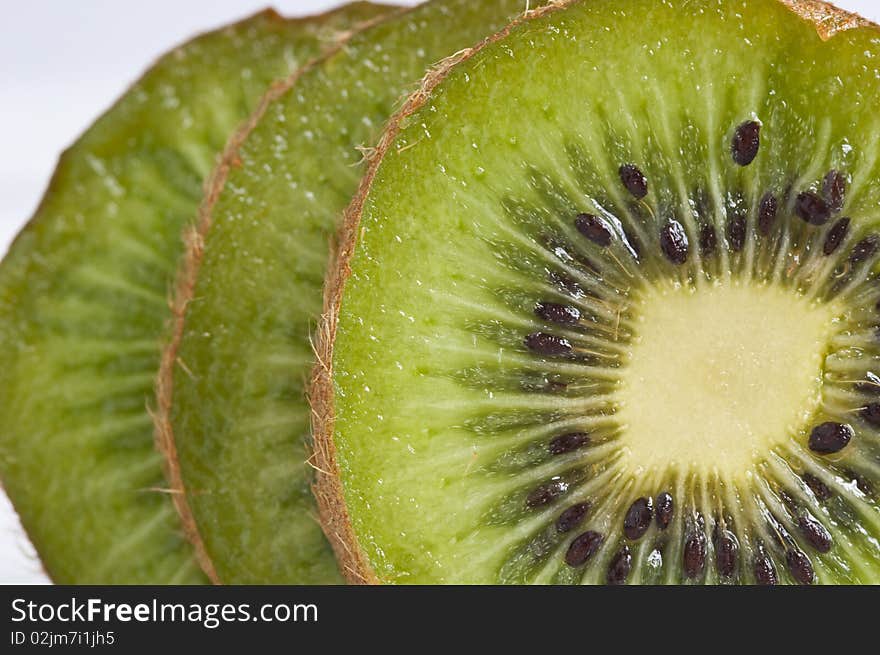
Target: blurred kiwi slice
(84, 303)
(232, 409)
(606, 308)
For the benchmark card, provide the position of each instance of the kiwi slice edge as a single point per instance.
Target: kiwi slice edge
(84, 288)
(246, 446)
(321, 568)
(356, 546)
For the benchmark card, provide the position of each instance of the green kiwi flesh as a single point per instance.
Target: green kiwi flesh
(606, 309)
(235, 408)
(84, 303)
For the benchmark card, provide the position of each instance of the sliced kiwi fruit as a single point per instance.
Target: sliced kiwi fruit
(606, 308)
(231, 403)
(84, 303)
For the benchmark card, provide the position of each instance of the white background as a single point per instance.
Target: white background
(62, 63)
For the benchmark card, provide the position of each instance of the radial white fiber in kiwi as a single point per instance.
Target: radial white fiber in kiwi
(234, 378)
(84, 303)
(606, 308)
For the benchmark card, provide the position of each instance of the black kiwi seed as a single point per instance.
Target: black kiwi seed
(674, 242)
(861, 482)
(638, 518)
(830, 437)
(621, 564)
(583, 547)
(708, 240)
(864, 249)
(694, 554)
(664, 510)
(871, 385)
(800, 566)
(765, 572)
(746, 141)
(811, 208)
(871, 414)
(815, 533)
(546, 493)
(834, 190)
(555, 386)
(596, 229)
(566, 443)
(572, 517)
(547, 344)
(736, 233)
(819, 488)
(767, 213)
(557, 313)
(726, 553)
(566, 284)
(835, 236)
(634, 180)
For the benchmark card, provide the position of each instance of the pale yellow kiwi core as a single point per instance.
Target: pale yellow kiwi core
(719, 375)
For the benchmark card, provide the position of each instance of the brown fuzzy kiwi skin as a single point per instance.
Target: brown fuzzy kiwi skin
(61, 165)
(270, 14)
(827, 19)
(194, 243)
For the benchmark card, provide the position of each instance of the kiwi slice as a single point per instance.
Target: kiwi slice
(84, 302)
(606, 308)
(231, 405)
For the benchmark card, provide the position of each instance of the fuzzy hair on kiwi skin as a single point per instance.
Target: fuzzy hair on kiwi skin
(184, 288)
(327, 487)
(827, 20)
(323, 23)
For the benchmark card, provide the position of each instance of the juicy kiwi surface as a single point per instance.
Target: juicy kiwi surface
(84, 303)
(606, 308)
(232, 399)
